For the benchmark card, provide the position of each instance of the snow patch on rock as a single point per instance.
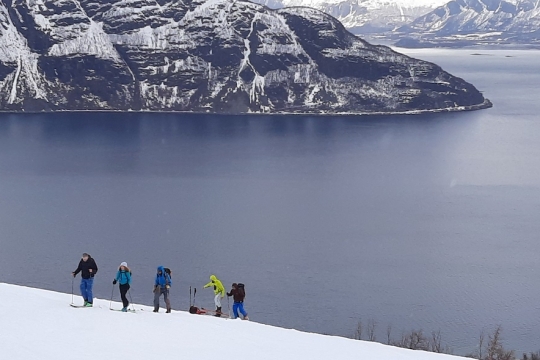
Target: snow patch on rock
(93, 41)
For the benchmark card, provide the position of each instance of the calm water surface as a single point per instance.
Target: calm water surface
(425, 222)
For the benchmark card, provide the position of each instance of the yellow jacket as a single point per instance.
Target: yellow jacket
(218, 286)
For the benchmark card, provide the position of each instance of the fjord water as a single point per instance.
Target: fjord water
(422, 222)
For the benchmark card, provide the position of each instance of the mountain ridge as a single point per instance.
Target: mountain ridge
(477, 21)
(207, 56)
(365, 16)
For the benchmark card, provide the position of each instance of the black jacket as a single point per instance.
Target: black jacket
(237, 294)
(85, 266)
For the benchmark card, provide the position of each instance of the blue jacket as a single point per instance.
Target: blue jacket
(123, 277)
(163, 279)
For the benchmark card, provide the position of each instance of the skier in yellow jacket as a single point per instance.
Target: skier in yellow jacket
(219, 291)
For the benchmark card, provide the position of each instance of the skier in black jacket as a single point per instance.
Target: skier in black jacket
(238, 293)
(88, 268)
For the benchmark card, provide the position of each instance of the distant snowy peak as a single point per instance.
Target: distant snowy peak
(438, 21)
(371, 4)
(365, 16)
(516, 18)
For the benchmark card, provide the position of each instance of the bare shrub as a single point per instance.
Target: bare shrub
(436, 343)
(478, 354)
(358, 331)
(371, 330)
(489, 347)
(414, 340)
(531, 356)
(495, 349)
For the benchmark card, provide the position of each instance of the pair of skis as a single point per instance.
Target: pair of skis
(191, 303)
(84, 306)
(79, 306)
(128, 310)
(214, 313)
(89, 307)
(203, 310)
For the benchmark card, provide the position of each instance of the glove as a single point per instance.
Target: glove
(114, 282)
(168, 286)
(73, 274)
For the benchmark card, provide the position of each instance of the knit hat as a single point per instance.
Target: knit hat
(124, 264)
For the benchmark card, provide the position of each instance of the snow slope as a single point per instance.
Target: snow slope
(54, 330)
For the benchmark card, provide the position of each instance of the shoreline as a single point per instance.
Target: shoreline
(485, 105)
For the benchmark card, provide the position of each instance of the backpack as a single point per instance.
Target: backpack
(195, 310)
(241, 289)
(169, 272)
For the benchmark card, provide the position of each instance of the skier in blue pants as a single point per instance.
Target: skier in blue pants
(88, 268)
(238, 293)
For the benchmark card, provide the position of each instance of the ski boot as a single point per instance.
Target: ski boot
(218, 312)
(88, 304)
(124, 309)
(168, 311)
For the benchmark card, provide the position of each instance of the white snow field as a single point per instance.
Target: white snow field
(40, 324)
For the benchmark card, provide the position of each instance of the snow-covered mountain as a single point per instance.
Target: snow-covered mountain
(40, 324)
(366, 16)
(487, 21)
(208, 56)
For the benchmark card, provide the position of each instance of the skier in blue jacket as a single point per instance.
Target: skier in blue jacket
(123, 278)
(161, 286)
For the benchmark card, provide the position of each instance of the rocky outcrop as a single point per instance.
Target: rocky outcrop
(206, 56)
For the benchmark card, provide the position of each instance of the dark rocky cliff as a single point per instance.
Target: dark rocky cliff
(206, 56)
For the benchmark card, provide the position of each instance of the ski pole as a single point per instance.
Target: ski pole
(110, 303)
(195, 293)
(72, 281)
(229, 306)
(190, 296)
(131, 299)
